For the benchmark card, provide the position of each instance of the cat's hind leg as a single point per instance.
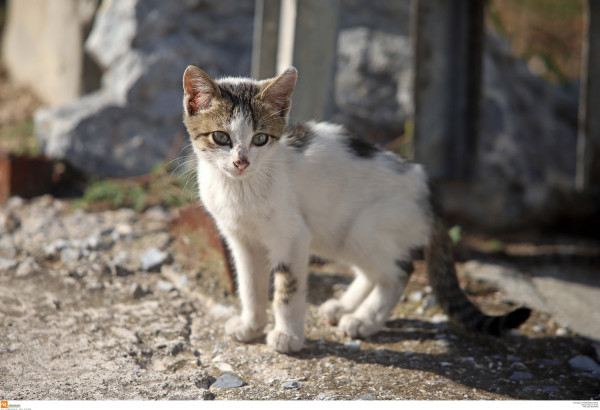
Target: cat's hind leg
(333, 309)
(370, 317)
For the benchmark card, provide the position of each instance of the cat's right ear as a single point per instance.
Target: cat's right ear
(199, 90)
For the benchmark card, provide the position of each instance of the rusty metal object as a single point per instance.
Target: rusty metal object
(24, 176)
(194, 218)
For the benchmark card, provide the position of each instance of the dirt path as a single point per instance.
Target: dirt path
(82, 319)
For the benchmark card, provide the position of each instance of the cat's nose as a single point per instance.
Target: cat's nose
(241, 163)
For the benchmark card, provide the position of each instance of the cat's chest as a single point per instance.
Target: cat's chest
(239, 208)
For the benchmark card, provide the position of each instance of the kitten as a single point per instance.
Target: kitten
(280, 193)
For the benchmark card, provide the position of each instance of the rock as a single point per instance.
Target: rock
(416, 297)
(326, 396)
(143, 46)
(429, 302)
(538, 329)
(585, 363)
(353, 344)
(204, 381)
(122, 231)
(291, 385)
(7, 264)
(137, 291)
(174, 348)
(28, 267)
(207, 395)
(153, 258)
(228, 381)
(164, 286)
(70, 255)
(562, 332)
(439, 318)
(521, 376)
(9, 222)
(367, 396)
(119, 270)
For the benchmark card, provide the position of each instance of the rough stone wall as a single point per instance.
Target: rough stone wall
(143, 46)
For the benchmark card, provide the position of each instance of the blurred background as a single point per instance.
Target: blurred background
(486, 95)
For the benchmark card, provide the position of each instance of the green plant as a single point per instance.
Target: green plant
(455, 234)
(161, 187)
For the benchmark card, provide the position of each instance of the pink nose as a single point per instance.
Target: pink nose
(241, 164)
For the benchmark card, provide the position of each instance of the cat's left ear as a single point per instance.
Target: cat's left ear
(278, 91)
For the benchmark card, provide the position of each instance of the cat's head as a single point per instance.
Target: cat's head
(235, 123)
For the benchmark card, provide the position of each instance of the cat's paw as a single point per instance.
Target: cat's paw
(357, 328)
(332, 311)
(241, 331)
(284, 342)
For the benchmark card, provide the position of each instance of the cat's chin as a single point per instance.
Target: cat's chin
(237, 175)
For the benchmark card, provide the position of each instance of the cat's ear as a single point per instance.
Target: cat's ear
(199, 90)
(278, 91)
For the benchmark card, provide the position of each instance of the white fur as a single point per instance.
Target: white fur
(325, 201)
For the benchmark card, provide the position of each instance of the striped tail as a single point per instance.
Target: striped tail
(443, 280)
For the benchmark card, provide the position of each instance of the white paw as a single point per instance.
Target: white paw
(332, 311)
(242, 331)
(357, 328)
(283, 342)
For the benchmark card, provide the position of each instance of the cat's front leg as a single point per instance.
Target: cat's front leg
(253, 285)
(289, 299)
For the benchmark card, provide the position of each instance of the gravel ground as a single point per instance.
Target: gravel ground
(109, 305)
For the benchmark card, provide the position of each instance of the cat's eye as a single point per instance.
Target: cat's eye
(260, 139)
(221, 138)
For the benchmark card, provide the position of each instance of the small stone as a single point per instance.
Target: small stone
(584, 363)
(513, 358)
(183, 281)
(548, 389)
(416, 297)
(538, 329)
(158, 213)
(228, 381)
(325, 396)
(224, 367)
(439, 318)
(137, 291)
(6, 264)
(207, 395)
(562, 332)
(429, 301)
(518, 366)
(70, 255)
(353, 344)
(164, 286)
(367, 396)
(153, 258)
(291, 385)
(28, 267)
(119, 270)
(520, 376)
(204, 381)
(175, 348)
(122, 231)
